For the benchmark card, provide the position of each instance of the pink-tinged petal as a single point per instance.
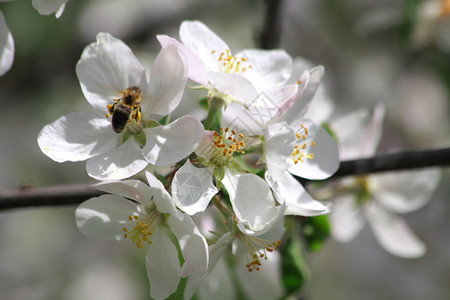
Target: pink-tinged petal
(373, 132)
(299, 66)
(6, 47)
(405, 191)
(131, 189)
(252, 202)
(298, 201)
(280, 141)
(162, 198)
(106, 68)
(119, 163)
(167, 81)
(393, 233)
(193, 188)
(192, 244)
(196, 68)
(47, 7)
(163, 267)
(346, 219)
(215, 253)
(264, 283)
(269, 67)
(237, 87)
(202, 42)
(171, 143)
(104, 217)
(326, 154)
(304, 97)
(77, 137)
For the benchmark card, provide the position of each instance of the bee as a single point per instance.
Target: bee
(125, 108)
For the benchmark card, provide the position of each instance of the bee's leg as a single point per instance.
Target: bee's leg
(139, 115)
(111, 108)
(136, 113)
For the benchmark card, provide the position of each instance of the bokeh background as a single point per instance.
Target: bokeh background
(369, 57)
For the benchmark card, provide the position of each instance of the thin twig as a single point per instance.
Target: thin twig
(47, 196)
(395, 161)
(75, 194)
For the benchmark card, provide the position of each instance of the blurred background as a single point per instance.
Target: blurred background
(373, 51)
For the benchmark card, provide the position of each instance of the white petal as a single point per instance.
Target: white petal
(47, 7)
(405, 191)
(218, 284)
(205, 148)
(346, 219)
(202, 41)
(162, 198)
(105, 216)
(373, 132)
(171, 143)
(298, 201)
(131, 189)
(77, 136)
(321, 109)
(265, 283)
(393, 233)
(260, 111)
(252, 202)
(326, 155)
(167, 81)
(196, 68)
(304, 97)
(215, 253)
(6, 47)
(193, 188)
(107, 67)
(235, 86)
(269, 67)
(350, 131)
(119, 163)
(163, 267)
(192, 243)
(280, 141)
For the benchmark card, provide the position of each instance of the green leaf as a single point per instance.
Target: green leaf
(294, 270)
(315, 231)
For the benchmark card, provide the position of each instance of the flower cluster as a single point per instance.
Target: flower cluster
(238, 164)
(231, 178)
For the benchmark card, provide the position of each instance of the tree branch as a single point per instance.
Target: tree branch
(75, 194)
(270, 34)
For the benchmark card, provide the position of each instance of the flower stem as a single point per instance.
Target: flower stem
(214, 106)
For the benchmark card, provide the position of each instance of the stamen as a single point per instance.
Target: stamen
(297, 154)
(144, 228)
(225, 144)
(257, 249)
(231, 64)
